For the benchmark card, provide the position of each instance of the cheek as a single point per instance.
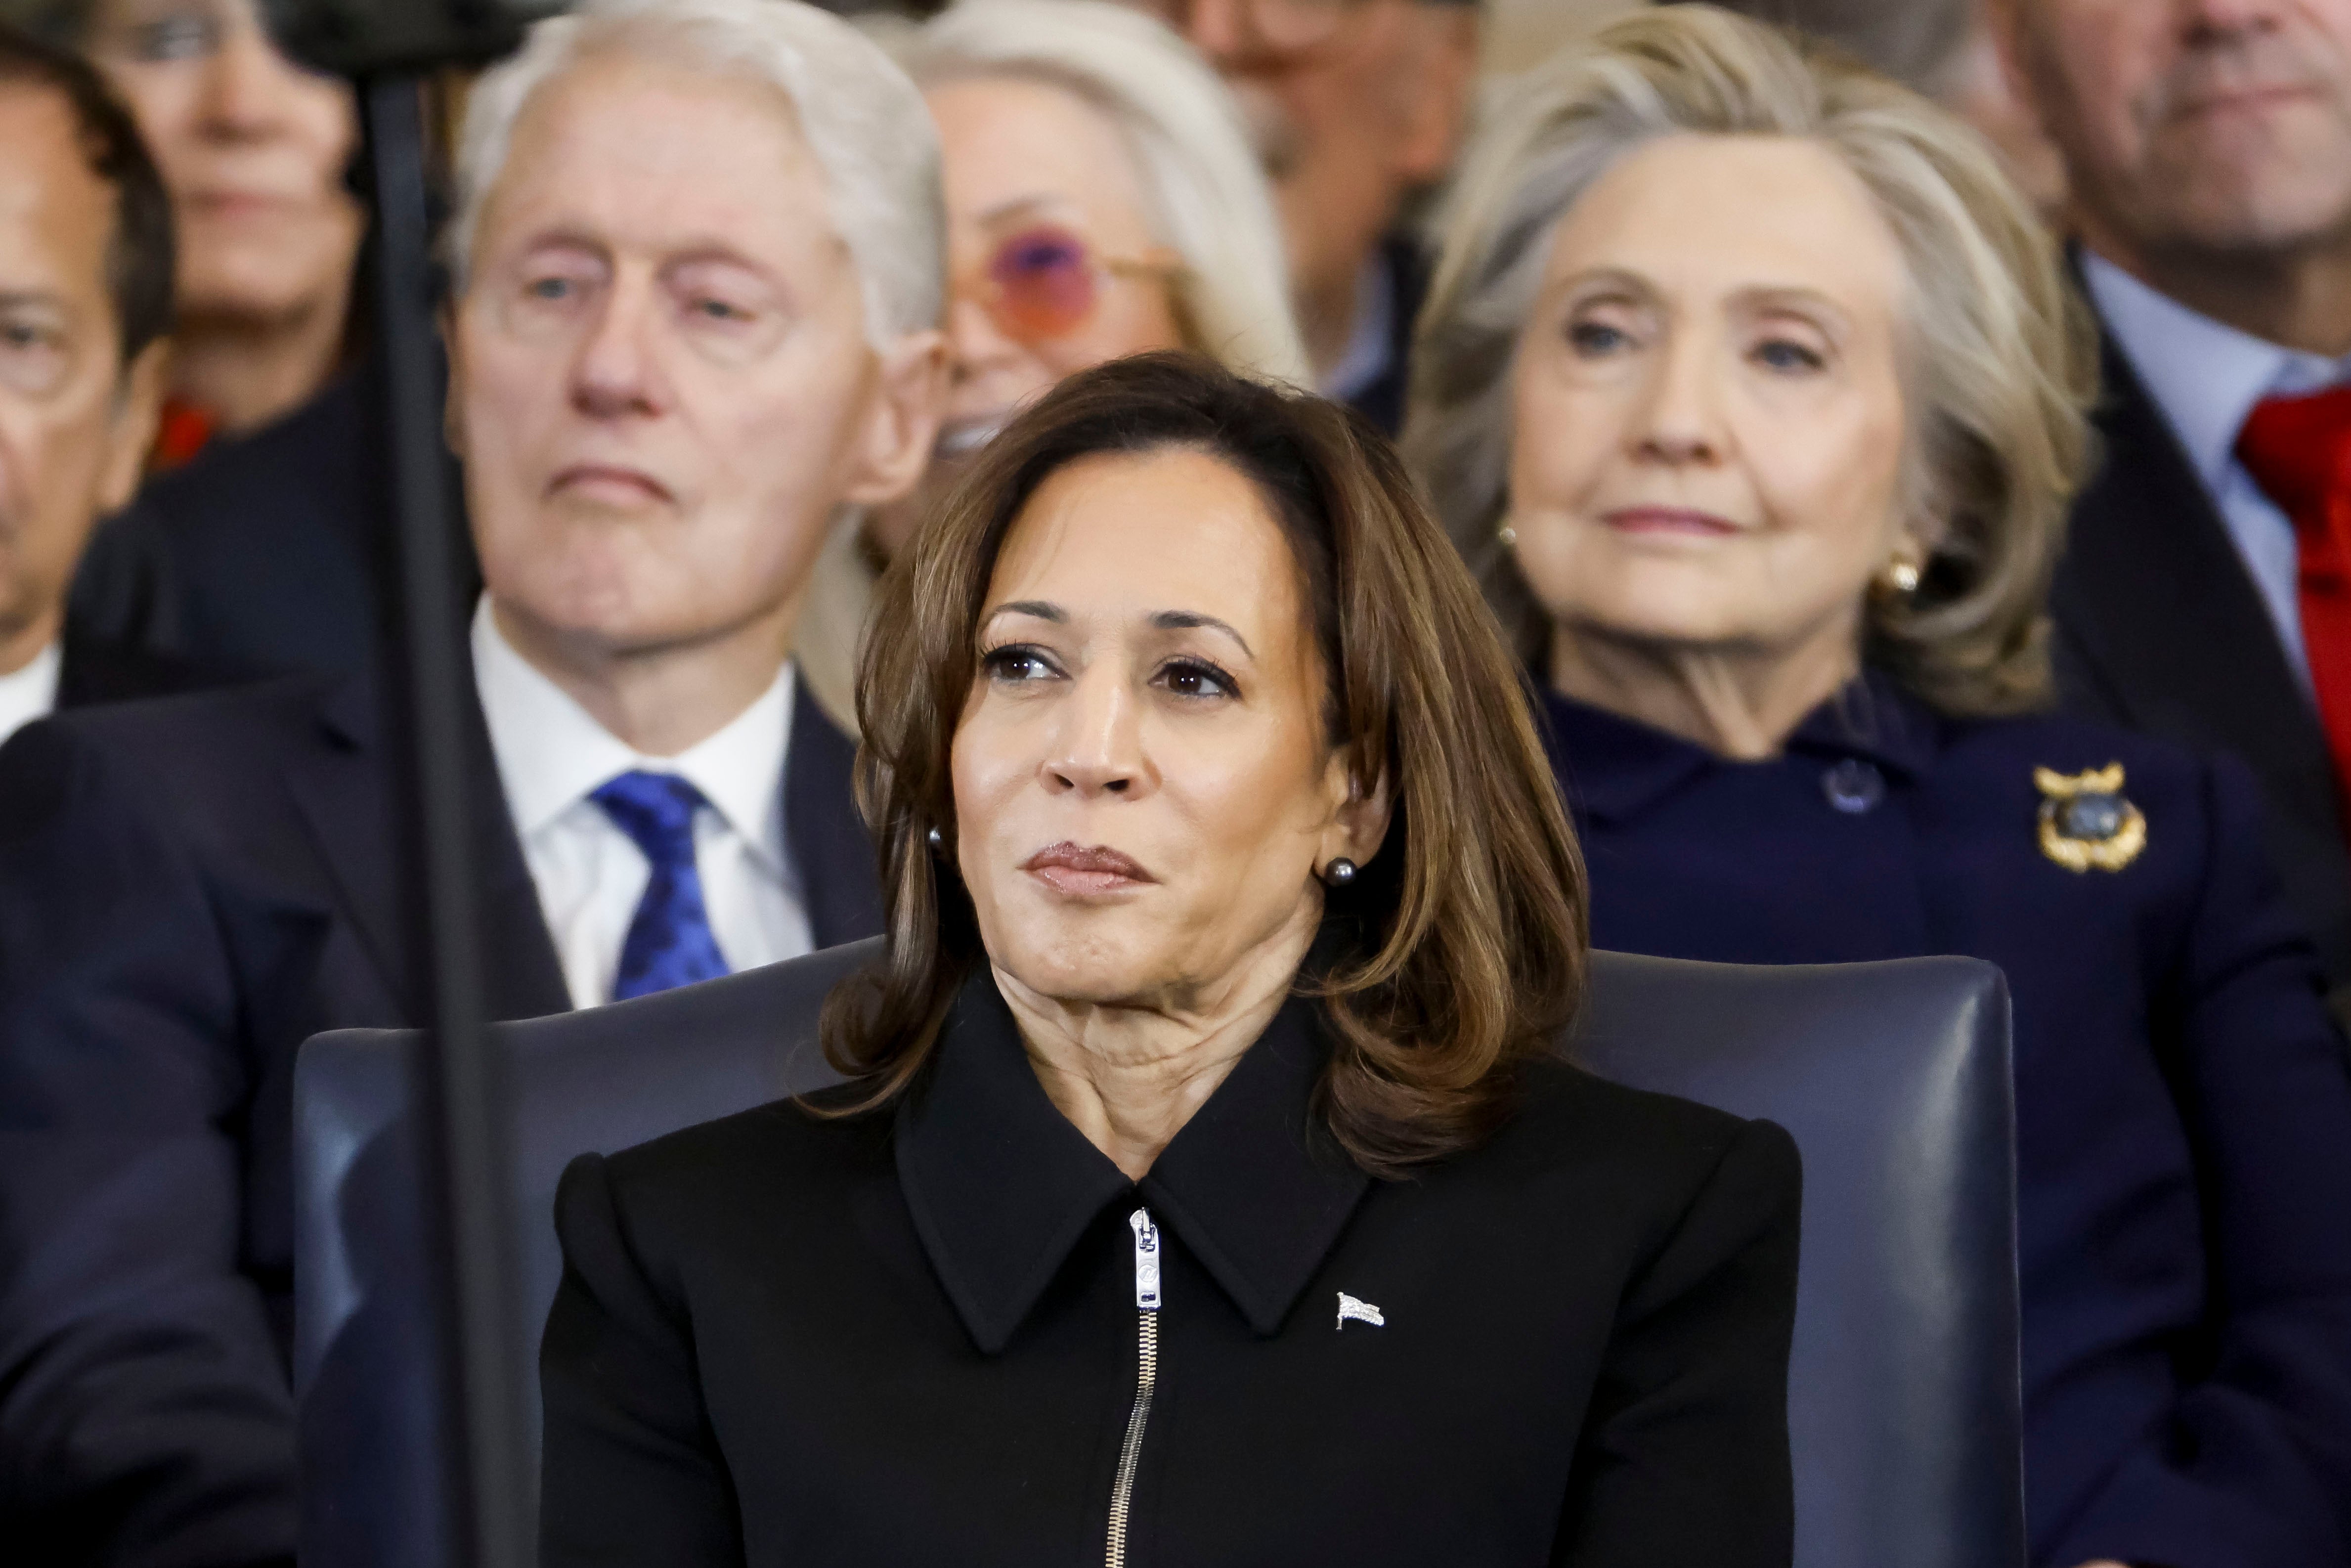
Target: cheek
(1832, 470)
(1563, 435)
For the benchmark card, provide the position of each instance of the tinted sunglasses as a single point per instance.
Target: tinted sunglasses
(1045, 281)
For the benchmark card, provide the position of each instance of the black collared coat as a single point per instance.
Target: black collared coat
(915, 1336)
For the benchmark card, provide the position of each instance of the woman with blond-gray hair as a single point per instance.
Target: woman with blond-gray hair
(1104, 199)
(1755, 393)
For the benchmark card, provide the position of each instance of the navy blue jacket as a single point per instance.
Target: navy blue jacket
(189, 888)
(2184, 1104)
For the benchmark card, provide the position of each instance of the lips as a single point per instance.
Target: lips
(1683, 521)
(613, 484)
(1077, 871)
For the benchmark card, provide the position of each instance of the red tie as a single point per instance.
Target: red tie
(2298, 450)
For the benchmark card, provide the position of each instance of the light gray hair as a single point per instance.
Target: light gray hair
(863, 122)
(1999, 358)
(1205, 190)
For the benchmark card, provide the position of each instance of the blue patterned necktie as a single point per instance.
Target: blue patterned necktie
(670, 942)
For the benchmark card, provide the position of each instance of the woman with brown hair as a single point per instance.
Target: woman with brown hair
(1202, 1188)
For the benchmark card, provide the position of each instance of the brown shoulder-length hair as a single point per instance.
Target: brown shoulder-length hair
(1456, 953)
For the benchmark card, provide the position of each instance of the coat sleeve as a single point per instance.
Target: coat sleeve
(146, 1410)
(632, 1471)
(1684, 1452)
(2253, 1465)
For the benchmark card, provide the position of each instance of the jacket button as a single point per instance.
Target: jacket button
(1853, 786)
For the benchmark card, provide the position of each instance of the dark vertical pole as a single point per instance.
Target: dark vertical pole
(469, 1126)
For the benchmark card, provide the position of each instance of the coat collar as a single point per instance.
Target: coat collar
(1614, 768)
(1001, 1186)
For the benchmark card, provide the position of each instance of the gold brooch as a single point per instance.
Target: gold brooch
(2085, 822)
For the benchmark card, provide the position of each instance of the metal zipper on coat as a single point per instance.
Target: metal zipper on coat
(1146, 1379)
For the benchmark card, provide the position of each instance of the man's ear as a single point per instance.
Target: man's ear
(1360, 825)
(910, 398)
(1443, 75)
(130, 434)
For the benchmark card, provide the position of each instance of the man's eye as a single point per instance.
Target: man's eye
(548, 288)
(720, 310)
(1783, 355)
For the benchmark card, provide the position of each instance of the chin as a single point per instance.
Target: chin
(1067, 962)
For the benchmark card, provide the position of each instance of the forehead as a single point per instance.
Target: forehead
(56, 214)
(1117, 535)
(1719, 215)
(1009, 140)
(645, 154)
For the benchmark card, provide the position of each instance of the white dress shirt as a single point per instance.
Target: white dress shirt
(30, 693)
(2206, 378)
(552, 756)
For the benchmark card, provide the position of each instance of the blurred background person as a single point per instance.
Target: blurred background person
(2206, 594)
(1103, 199)
(1756, 391)
(1943, 48)
(254, 150)
(85, 301)
(1358, 107)
(1232, 913)
(698, 279)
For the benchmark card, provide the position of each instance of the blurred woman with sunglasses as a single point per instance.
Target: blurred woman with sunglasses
(1104, 199)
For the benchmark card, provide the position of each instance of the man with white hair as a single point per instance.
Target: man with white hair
(698, 280)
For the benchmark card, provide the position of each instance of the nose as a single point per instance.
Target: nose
(1681, 420)
(616, 373)
(982, 355)
(2212, 21)
(1097, 746)
(244, 87)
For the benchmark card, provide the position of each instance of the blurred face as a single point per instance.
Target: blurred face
(252, 146)
(661, 383)
(1709, 413)
(1143, 789)
(1349, 122)
(2197, 124)
(73, 427)
(1051, 245)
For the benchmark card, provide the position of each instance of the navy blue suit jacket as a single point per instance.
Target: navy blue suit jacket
(189, 888)
(2184, 1104)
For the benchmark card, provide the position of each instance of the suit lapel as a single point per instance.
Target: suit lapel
(831, 847)
(346, 790)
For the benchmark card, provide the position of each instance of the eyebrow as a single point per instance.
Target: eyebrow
(1162, 621)
(1020, 206)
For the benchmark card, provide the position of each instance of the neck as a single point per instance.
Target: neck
(21, 642)
(1326, 319)
(663, 700)
(2298, 297)
(1734, 702)
(1129, 1075)
(246, 371)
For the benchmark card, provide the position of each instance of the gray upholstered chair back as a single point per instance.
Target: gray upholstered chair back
(1894, 1078)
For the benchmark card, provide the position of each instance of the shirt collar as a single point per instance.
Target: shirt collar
(2204, 375)
(31, 692)
(1001, 1186)
(1613, 768)
(1370, 345)
(552, 754)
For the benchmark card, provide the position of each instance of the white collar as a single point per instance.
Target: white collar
(1370, 347)
(2204, 375)
(552, 755)
(31, 692)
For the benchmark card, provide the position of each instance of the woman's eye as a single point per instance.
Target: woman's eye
(176, 38)
(1787, 357)
(1593, 339)
(1192, 678)
(1016, 665)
